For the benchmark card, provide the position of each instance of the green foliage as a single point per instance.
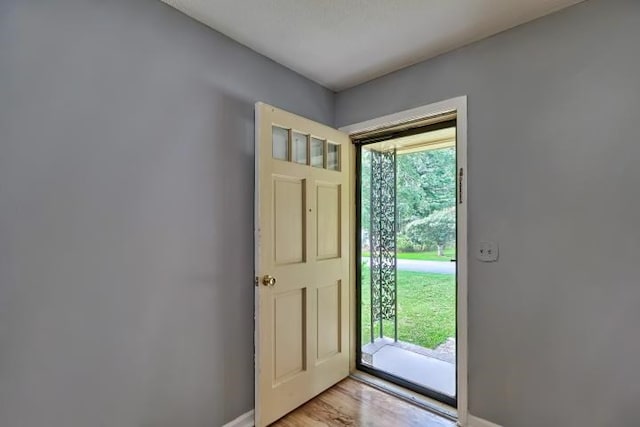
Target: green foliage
(426, 308)
(446, 256)
(439, 227)
(404, 244)
(365, 184)
(426, 183)
(426, 197)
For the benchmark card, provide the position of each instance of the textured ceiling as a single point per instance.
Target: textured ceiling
(342, 43)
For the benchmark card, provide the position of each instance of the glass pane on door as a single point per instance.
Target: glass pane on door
(280, 141)
(317, 152)
(333, 156)
(300, 148)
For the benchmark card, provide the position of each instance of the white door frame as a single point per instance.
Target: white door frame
(459, 105)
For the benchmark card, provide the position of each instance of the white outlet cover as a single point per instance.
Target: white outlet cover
(487, 251)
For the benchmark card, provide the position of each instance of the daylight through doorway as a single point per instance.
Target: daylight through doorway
(407, 259)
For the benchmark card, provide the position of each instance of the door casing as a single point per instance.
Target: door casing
(459, 105)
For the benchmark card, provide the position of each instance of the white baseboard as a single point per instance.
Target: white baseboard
(479, 422)
(244, 420)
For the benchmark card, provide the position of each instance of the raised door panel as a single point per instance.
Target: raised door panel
(329, 321)
(328, 220)
(289, 348)
(289, 220)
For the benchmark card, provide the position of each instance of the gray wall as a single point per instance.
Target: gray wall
(126, 199)
(126, 213)
(554, 144)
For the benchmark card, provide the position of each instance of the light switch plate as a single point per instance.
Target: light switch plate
(487, 251)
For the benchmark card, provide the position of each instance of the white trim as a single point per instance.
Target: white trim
(458, 104)
(244, 420)
(479, 422)
(425, 111)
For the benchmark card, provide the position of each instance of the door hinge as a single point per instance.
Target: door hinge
(256, 281)
(460, 180)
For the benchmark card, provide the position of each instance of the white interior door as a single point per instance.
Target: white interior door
(302, 260)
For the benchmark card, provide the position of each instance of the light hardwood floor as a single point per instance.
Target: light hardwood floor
(352, 403)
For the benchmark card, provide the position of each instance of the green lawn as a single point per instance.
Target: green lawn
(426, 308)
(449, 254)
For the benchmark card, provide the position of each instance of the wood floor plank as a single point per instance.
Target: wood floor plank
(354, 404)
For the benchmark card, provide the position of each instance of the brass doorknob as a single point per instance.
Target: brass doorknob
(268, 280)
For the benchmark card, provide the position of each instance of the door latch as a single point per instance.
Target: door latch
(460, 179)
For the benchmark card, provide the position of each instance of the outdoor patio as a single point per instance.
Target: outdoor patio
(434, 369)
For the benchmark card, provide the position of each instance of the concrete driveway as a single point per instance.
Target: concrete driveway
(441, 267)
